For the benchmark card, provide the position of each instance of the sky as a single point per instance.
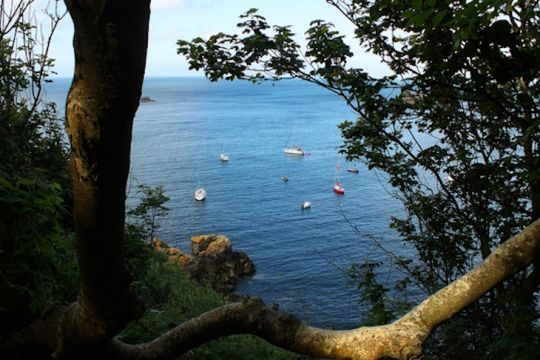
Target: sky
(171, 20)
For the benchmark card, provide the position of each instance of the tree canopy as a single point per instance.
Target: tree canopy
(455, 124)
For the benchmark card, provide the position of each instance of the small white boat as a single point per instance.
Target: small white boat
(306, 205)
(294, 150)
(284, 178)
(223, 156)
(200, 194)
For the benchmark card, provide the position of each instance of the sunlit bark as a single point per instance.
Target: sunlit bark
(110, 45)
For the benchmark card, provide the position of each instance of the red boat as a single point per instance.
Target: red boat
(338, 188)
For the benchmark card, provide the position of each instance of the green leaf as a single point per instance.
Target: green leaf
(439, 17)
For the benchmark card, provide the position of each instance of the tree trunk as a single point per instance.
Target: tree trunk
(110, 43)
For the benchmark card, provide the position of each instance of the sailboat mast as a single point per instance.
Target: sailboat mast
(198, 174)
(289, 138)
(336, 173)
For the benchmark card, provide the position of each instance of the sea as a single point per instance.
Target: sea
(302, 256)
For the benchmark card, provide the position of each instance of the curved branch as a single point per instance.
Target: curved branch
(402, 339)
(507, 259)
(281, 329)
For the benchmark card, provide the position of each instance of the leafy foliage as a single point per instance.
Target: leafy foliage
(37, 260)
(382, 308)
(150, 208)
(455, 125)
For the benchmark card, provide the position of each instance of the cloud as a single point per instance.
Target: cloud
(193, 5)
(167, 4)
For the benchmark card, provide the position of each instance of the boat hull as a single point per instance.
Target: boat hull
(339, 190)
(200, 194)
(294, 151)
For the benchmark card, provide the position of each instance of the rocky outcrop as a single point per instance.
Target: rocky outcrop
(147, 99)
(212, 262)
(174, 254)
(210, 245)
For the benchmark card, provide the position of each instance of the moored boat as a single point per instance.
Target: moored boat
(306, 205)
(200, 194)
(338, 186)
(339, 189)
(294, 150)
(223, 156)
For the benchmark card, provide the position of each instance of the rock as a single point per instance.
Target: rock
(174, 251)
(222, 271)
(221, 245)
(212, 263)
(212, 244)
(185, 260)
(159, 244)
(173, 254)
(147, 99)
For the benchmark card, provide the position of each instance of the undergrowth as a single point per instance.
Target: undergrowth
(172, 298)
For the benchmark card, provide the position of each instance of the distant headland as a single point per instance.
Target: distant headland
(147, 99)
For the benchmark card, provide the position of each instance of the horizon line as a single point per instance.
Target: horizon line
(146, 76)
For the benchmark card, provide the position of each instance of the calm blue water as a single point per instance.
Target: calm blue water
(300, 255)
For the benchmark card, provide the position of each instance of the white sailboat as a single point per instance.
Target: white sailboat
(293, 150)
(200, 193)
(223, 156)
